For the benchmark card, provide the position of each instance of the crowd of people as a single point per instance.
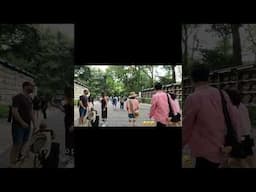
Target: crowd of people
(164, 108)
(216, 125)
(30, 132)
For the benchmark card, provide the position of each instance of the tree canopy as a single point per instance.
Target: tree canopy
(121, 79)
(46, 54)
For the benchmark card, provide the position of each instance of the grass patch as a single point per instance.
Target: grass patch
(4, 111)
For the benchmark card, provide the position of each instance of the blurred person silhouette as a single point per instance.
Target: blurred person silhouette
(104, 106)
(204, 126)
(22, 112)
(245, 132)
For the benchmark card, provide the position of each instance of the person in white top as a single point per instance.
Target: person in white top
(245, 131)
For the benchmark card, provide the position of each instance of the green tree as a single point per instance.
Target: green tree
(237, 57)
(187, 31)
(251, 38)
(21, 40)
(225, 31)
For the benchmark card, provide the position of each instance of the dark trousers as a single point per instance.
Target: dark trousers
(205, 164)
(158, 124)
(44, 113)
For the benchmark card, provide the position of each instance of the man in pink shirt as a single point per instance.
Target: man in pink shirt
(204, 126)
(159, 110)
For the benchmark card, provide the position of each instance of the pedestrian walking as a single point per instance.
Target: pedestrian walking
(68, 110)
(122, 102)
(83, 106)
(104, 107)
(204, 126)
(114, 102)
(132, 107)
(176, 106)
(44, 106)
(161, 106)
(245, 133)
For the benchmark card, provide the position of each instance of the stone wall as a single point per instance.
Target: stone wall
(10, 83)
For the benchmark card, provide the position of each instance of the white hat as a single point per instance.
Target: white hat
(132, 94)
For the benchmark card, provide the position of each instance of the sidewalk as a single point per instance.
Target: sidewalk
(119, 118)
(54, 121)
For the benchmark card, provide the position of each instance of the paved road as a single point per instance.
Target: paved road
(54, 121)
(118, 117)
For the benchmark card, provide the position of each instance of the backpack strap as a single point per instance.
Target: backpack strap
(169, 103)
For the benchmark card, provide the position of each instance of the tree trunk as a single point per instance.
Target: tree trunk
(185, 42)
(173, 74)
(237, 58)
(225, 43)
(152, 75)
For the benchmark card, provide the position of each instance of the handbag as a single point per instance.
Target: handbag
(231, 136)
(174, 118)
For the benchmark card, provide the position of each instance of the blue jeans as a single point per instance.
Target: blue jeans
(82, 112)
(20, 135)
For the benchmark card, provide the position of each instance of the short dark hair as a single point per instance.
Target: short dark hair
(86, 91)
(234, 96)
(26, 83)
(158, 86)
(173, 95)
(200, 72)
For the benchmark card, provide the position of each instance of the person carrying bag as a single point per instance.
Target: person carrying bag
(173, 118)
(231, 139)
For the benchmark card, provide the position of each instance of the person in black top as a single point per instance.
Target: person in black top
(22, 112)
(83, 104)
(104, 107)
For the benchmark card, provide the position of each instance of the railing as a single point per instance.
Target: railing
(175, 88)
(241, 77)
